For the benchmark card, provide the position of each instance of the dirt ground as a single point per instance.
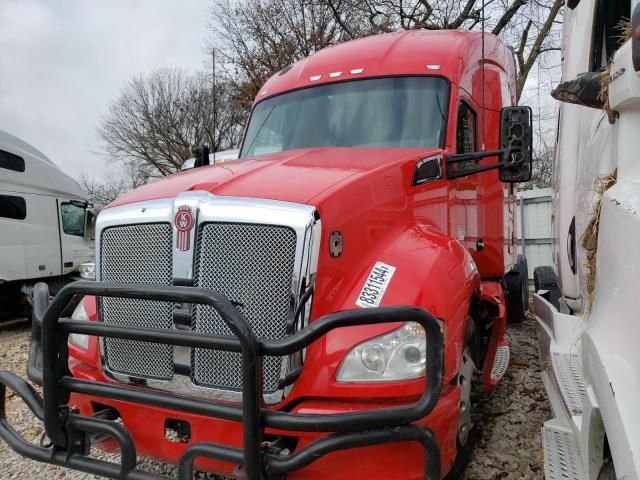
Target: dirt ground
(509, 446)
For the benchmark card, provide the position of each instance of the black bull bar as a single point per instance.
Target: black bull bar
(69, 432)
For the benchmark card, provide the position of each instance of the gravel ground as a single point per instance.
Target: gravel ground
(511, 417)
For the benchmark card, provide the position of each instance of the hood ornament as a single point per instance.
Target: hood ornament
(184, 223)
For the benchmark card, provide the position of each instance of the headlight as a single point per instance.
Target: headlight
(79, 339)
(398, 355)
(88, 271)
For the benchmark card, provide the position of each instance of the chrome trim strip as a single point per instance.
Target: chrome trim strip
(213, 208)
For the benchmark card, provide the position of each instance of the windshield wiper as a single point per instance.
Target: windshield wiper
(255, 137)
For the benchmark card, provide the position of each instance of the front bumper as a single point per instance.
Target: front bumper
(69, 431)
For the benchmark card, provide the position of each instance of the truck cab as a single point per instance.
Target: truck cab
(337, 287)
(46, 223)
(585, 306)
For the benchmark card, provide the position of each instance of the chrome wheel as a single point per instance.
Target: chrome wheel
(465, 381)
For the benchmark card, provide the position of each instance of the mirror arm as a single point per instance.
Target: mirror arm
(466, 157)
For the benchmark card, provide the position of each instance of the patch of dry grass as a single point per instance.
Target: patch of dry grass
(589, 239)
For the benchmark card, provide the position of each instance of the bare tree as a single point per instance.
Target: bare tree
(527, 26)
(159, 119)
(541, 175)
(260, 37)
(101, 192)
(533, 34)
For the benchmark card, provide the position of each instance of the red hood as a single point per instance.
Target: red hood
(294, 176)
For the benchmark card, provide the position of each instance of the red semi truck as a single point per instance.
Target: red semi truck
(318, 308)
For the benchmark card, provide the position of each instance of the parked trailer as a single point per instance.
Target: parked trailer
(588, 327)
(46, 225)
(534, 228)
(337, 287)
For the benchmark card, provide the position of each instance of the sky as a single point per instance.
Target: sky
(62, 61)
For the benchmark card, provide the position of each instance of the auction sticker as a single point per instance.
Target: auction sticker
(375, 285)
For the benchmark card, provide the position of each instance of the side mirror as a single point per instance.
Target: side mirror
(201, 156)
(516, 142)
(90, 224)
(515, 152)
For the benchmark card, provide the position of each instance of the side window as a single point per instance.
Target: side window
(13, 207)
(11, 161)
(466, 129)
(72, 219)
(608, 33)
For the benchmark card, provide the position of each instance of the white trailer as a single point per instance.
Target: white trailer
(588, 325)
(46, 224)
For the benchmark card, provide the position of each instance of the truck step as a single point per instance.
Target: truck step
(500, 363)
(561, 459)
(568, 376)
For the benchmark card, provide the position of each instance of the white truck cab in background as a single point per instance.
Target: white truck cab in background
(589, 333)
(46, 224)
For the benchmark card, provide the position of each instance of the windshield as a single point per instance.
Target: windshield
(381, 112)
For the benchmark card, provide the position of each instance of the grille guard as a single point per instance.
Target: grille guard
(68, 431)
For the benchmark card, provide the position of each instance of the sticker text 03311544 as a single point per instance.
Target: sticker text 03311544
(375, 285)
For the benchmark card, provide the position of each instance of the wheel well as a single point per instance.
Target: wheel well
(482, 313)
(606, 450)
(608, 468)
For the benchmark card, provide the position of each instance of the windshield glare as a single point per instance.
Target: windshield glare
(381, 112)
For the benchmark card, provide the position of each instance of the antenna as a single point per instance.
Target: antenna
(213, 99)
(538, 84)
(483, 115)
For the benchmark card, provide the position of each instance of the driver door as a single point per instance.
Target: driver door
(74, 247)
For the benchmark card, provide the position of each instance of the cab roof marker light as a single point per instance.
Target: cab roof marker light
(433, 67)
(335, 74)
(356, 71)
(315, 78)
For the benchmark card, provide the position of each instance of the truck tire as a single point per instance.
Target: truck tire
(544, 278)
(13, 303)
(467, 380)
(517, 294)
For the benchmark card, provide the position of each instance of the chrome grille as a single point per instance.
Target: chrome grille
(251, 265)
(137, 254)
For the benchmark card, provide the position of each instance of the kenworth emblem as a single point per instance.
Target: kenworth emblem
(184, 223)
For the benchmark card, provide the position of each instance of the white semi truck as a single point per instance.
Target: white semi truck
(46, 224)
(588, 323)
